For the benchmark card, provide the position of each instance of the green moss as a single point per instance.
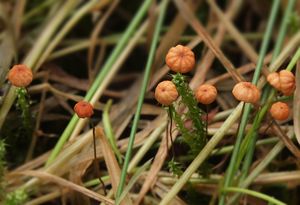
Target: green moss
(187, 111)
(23, 104)
(195, 137)
(294, 22)
(175, 168)
(17, 197)
(2, 168)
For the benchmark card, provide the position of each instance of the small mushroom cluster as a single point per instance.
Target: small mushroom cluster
(283, 81)
(181, 59)
(21, 76)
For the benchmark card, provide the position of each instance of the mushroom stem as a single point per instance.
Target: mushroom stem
(96, 165)
(206, 125)
(240, 118)
(169, 131)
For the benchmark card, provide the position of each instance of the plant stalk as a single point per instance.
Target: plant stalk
(101, 76)
(136, 119)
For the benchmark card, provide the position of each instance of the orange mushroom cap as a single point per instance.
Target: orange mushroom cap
(280, 111)
(246, 92)
(83, 109)
(20, 75)
(166, 92)
(206, 94)
(180, 59)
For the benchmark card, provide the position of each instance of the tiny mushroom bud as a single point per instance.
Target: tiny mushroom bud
(280, 111)
(246, 92)
(287, 82)
(83, 109)
(180, 59)
(166, 92)
(283, 81)
(20, 75)
(206, 94)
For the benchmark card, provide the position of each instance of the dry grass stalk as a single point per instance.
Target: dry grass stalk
(201, 31)
(65, 183)
(111, 162)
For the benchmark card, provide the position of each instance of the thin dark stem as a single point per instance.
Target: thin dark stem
(170, 132)
(268, 127)
(206, 128)
(285, 139)
(96, 165)
(167, 138)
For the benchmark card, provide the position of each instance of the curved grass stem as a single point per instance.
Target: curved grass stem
(109, 131)
(265, 197)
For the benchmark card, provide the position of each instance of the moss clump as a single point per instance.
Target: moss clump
(2, 168)
(17, 197)
(195, 137)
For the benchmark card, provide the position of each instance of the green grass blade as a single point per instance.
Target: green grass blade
(154, 42)
(252, 136)
(267, 37)
(294, 60)
(272, 154)
(256, 194)
(132, 181)
(109, 131)
(205, 152)
(283, 29)
(101, 76)
(35, 53)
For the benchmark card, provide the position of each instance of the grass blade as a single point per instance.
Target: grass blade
(142, 95)
(101, 76)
